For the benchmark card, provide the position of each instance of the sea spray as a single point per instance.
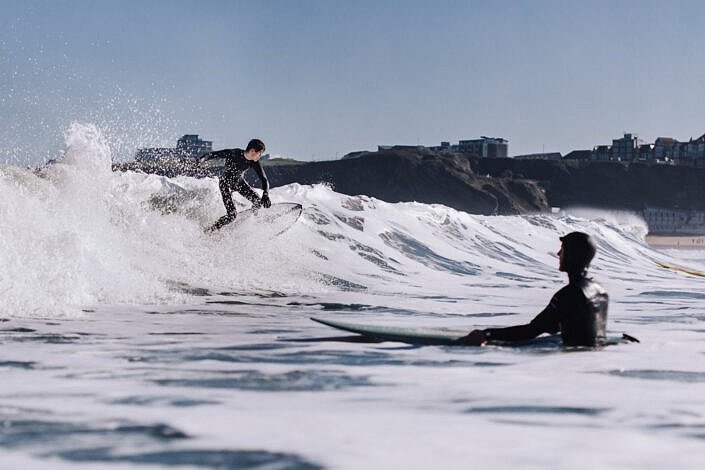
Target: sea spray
(62, 249)
(76, 234)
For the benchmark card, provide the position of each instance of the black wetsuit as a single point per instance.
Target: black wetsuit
(232, 180)
(578, 311)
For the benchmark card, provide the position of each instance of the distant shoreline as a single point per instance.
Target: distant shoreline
(688, 242)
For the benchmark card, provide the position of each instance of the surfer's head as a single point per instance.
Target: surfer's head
(254, 150)
(577, 250)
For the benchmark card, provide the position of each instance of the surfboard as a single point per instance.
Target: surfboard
(273, 221)
(442, 336)
(438, 336)
(687, 271)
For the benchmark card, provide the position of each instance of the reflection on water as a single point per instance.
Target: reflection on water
(668, 375)
(538, 409)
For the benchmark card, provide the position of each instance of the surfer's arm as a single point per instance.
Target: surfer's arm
(548, 321)
(262, 177)
(211, 155)
(510, 333)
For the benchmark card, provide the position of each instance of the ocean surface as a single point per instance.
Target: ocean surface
(131, 339)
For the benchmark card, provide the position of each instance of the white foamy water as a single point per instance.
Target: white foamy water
(131, 339)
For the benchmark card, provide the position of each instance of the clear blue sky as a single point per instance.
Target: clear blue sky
(318, 79)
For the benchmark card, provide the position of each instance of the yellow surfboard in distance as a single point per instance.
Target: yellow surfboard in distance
(687, 271)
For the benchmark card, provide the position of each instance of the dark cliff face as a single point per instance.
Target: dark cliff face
(416, 175)
(611, 185)
(485, 185)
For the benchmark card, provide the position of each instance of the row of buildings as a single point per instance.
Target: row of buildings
(488, 147)
(664, 150)
(629, 148)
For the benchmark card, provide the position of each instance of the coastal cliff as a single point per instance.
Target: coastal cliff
(485, 185)
(606, 184)
(418, 175)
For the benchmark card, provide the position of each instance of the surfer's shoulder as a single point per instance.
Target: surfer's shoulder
(585, 286)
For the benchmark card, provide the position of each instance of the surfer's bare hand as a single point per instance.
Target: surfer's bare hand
(475, 338)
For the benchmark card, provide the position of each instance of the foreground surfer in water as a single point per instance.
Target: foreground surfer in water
(578, 310)
(237, 162)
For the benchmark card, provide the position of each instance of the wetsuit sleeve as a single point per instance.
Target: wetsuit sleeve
(262, 177)
(225, 153)
(548, 321)
(219, 154)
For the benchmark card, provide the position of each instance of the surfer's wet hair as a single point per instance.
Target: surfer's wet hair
(256, 145)
(579, 249)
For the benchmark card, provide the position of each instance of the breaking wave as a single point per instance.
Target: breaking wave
(75, 234)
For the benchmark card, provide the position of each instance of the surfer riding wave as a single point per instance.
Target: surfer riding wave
(237, 162)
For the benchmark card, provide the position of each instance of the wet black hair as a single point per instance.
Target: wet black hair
(256, 145)
(578, 250)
